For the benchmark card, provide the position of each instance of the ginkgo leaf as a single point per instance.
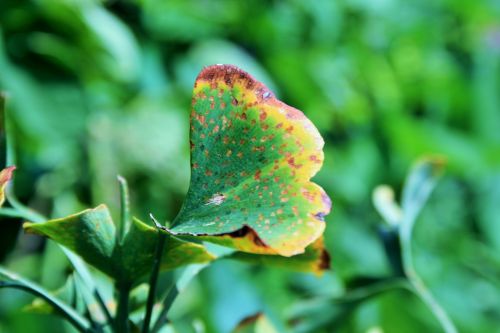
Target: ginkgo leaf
(92, 235)
(252, 158)
(5, 176)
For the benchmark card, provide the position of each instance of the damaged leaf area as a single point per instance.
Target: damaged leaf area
(92, 235)
(315, 259)
(5, 176)
(252, 158)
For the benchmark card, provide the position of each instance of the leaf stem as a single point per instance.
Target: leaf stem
(178, 286)
(160, 247)
(166, 304)
(122, 312)
(418, 284)
(418, 187)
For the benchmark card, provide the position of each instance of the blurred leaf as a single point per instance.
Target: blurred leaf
(71, 294)
(418, 186)
(255, 324)
(67, 293)
(252, 157)
(383, 200)
(92, 235)
(315, 259)
(332, 312)
(219, 51)
(11, 280)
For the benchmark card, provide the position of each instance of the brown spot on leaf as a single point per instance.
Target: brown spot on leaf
(291, 162)
(262, 116)
(314, 159)
(200, 118)
(308, 195)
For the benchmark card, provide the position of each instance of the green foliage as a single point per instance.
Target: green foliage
(129, 250)
(92, 235)
(98, 89)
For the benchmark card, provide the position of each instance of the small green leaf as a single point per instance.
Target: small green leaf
(92, 235)
(5, 176)
(252, 158)
(421, 181)
(315, 259)
(258, 323)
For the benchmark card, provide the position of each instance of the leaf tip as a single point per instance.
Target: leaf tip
(6, 174)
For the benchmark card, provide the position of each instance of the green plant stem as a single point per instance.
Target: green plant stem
(418, 284)
(166, 304)
(122, 312)
(177, 287)
(79, 322)
(364, 293)
(153, 280)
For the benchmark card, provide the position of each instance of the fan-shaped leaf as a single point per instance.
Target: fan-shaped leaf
(252, 158)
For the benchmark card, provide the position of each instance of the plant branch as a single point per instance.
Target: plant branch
(166, 304)
(160, 246)
(181, 283)
(122, 312)
(419, 286)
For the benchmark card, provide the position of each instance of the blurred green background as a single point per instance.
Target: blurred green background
(98, 89)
